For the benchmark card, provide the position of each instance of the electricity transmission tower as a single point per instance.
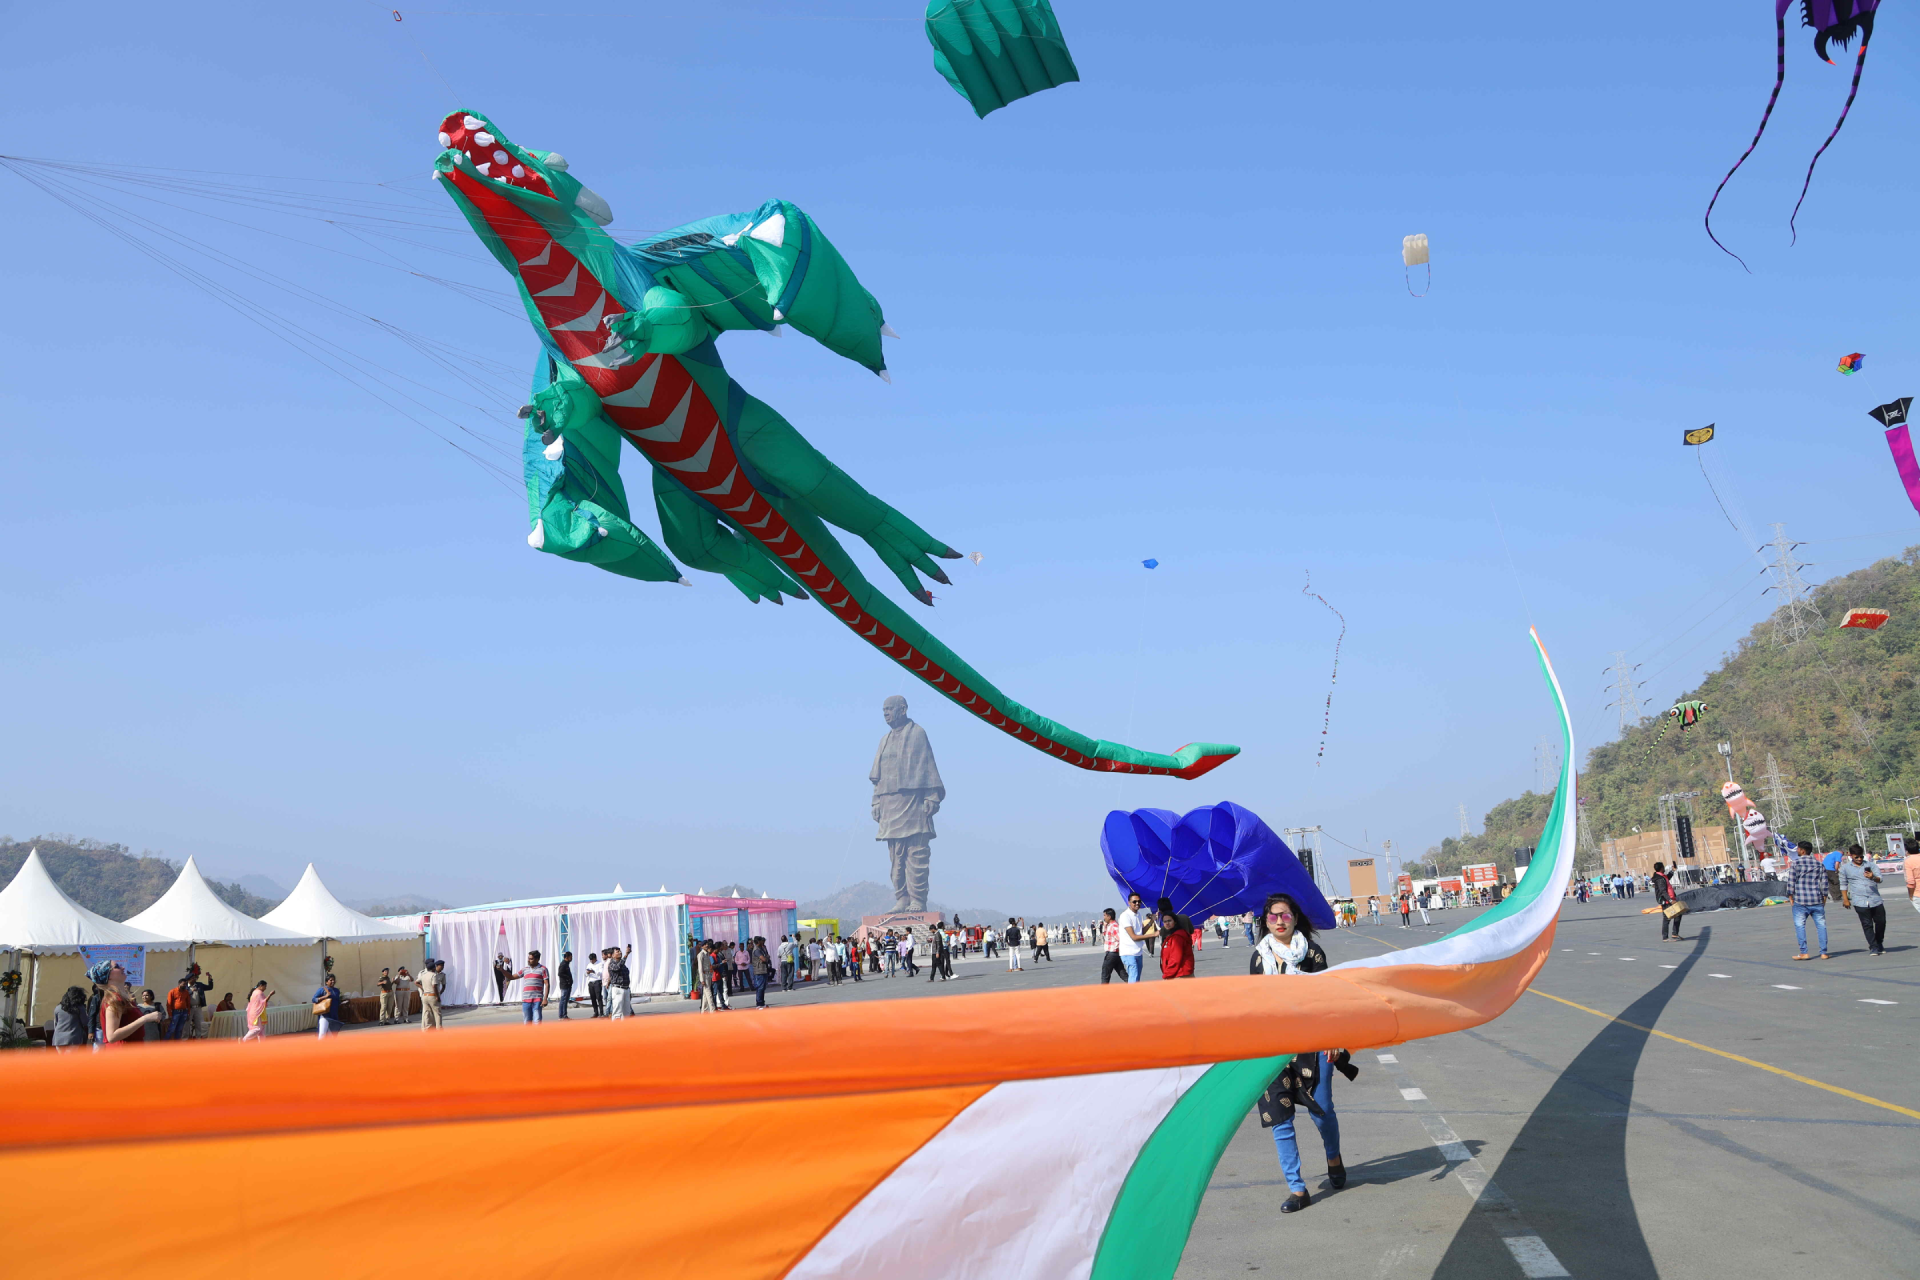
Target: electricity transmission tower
(1779, 799)
(1463, 820)
(1546, 765)
(1796, 615)
(1626, 693)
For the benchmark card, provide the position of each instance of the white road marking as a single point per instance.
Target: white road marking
(1669, 966)
(1879, 1002)
(1781, 986)
(1526, 1246)
(1719, 975)
(1593, 953)
(1626, 957)
(1534, 1257)
(1386, 1057)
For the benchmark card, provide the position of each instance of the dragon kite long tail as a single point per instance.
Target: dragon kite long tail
(628, 334)
(1859, 65)
(1779, 79)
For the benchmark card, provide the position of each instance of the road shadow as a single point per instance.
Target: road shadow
(1567, 1168)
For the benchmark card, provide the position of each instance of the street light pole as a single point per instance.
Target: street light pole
(1912, 829)
(1726, 753)
(1860, 827)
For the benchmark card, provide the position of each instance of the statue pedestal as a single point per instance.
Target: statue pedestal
(917, 922)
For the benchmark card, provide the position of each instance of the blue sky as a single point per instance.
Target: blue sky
(260, 616)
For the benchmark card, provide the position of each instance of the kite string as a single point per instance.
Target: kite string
(1327, 722)
(1779, 79)
(1700, 453)
(1859, 65)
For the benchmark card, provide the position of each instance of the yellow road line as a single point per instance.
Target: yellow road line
(1720, 1053)
(1734, 1057)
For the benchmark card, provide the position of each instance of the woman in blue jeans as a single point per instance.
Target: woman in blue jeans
(1286, 946)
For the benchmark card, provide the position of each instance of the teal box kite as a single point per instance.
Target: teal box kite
(628, 334)
(998, 51)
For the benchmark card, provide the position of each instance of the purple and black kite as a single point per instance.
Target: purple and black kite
(1833, 22)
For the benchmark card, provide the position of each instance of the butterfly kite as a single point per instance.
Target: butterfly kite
(1685, 714)
(1833, 22)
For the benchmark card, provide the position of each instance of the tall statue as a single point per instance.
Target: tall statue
(907, 792)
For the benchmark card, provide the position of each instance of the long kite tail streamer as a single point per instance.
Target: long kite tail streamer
(1327, 722)
(1084, 1155)
(1900, 444)
(1779, 79)
(1859, 64)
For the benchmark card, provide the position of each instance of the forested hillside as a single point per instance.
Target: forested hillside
(108, 879)
(1838, 711)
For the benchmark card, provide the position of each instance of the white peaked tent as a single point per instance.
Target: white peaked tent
(37, 915)
(191, 910)
(312, 909)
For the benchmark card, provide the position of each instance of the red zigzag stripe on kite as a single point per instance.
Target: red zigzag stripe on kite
(546, 265)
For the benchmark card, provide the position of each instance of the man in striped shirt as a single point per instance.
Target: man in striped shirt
(533, 988)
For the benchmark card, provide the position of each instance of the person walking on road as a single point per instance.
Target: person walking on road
(1110, 939)
(1134, 932)
(1406, 909)
(566, 981)
(761, 966)
(1860, 889)
(1664, 895)
(1808, 879)
(1013, 944)
(256, 1019)
(1177, 938)
(941, 967)
(596, 983)
(1286, 947)
(329, 1008)
(619, 983)
(533, 989)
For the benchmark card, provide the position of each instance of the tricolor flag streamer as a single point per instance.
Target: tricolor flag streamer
(1047, 1134)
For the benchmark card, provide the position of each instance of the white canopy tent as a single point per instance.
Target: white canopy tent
(37, 915)
(312, 909)
(38, 918)
(191, 910)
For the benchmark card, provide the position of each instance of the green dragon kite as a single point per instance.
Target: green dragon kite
(628, 336)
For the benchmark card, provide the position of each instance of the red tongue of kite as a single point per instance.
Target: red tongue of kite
(469, 134)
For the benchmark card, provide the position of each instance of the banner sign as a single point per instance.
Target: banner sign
(1484, 873)
(131, 956)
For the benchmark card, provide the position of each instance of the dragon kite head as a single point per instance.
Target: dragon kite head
(539, 179)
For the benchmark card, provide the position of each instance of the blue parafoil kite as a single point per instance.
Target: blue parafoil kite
(1218, 860)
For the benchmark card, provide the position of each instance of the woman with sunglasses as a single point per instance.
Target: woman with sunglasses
(1286, 946)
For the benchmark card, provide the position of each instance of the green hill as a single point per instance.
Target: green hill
(1838, 711)
(107, 879)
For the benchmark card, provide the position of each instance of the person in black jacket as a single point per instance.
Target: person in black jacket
(566, 981)
(1664, 895)
(1286, 945)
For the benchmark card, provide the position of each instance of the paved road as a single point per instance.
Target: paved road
(1576, 1135)
(1612, 1152)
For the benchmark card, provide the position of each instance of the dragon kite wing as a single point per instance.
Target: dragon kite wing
(629, 339)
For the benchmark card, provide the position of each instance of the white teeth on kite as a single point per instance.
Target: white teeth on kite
(484, 138)
(472, 122)
(538, 538)
(886, 331)
(519, 172)
(445, 141)
(499, 157)
(483, 169)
